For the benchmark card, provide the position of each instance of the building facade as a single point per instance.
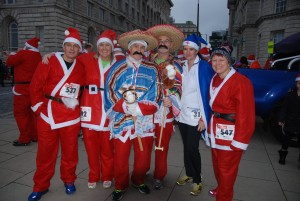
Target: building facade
(48, 19)
(187, 28)
(253, 23)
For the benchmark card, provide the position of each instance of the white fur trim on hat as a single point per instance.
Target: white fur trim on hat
(191, 44)
(73, 40)
(102, 40)
(142, 42)
(31, 47)
(297, 78)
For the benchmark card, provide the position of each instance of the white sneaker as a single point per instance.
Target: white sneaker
(107, 184)
(92, 185)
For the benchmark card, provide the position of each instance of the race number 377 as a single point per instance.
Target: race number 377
(70, 90)
(225, 131)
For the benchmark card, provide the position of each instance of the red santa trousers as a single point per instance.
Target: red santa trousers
(141, 161)
(100, 154)
(226, 164)
(161, 157)
(25, 118)
(48, 146)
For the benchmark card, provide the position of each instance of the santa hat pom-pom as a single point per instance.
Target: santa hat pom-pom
(39, 43)
(83, 42)
(208, 46)
(67, 32)
(115, 42)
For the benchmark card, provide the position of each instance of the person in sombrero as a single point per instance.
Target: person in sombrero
(169, 40)
(131, 114)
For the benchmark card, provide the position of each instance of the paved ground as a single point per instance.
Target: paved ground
(260, 177)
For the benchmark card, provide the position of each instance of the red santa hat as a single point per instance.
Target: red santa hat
(180, 54)
(108, 36)
(204, 52)
(33, 43)
(117, 47)
(251, 58)
(73, 36)
(297, 78)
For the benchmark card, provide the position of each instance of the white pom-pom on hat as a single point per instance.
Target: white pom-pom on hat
(208, 46)
(67, 32)
(115, 42)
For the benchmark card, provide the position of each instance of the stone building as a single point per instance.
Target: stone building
(48, 19)
(187, 28)
(253, 23)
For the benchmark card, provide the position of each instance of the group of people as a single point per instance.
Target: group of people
(252, 62)
(123, 101)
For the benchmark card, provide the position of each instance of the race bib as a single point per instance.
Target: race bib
(224, 131)
(86, 113)
(195, 114)
(70, 90)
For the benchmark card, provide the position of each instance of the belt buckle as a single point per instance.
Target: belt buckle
(93, 89)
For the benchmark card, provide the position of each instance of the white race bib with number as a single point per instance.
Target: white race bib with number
(70, 90)
(86, 113)
(195, 114)
(224, 131)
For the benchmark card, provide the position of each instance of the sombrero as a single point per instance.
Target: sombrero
(172, 32)
(137, 34)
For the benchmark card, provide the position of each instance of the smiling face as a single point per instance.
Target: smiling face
(105, 50)
(137, 47)
(71, 51)
(164, 44)
(220, 65)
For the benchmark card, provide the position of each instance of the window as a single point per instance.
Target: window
(277, 36)
(126, 8)
(101, 15)
(8, 1)
(120, 5)
(111, 2)
(90, 9)
(112, 19)
(133, 13)
(70, 3)
(39, 32)
(280, 6)
(13, 36)
(40, 1)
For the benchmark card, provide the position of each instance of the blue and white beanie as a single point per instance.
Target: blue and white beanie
(194, 41)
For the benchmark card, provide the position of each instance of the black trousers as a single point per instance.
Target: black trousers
(287, 137)
(192, 159)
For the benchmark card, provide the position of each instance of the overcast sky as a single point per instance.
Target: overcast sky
(213, 14)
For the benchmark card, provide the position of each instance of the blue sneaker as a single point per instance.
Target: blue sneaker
(35, 196)
(70, 188)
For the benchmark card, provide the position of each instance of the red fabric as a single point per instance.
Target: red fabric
(99, 150)
(255, 64)
(46, 79)
(225, 165)
(142, 160)
(161, 157)
(121, 161)
(48, 146)
(94, 75)
(25, 63)
(235, 97)
(25, 119)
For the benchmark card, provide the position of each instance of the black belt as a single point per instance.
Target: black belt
(228, 117)
(21, 82)
(54, 98)
(93, 88)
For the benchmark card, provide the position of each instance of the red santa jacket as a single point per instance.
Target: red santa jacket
(49, 80)
(24, 63)
(233, 95)
(93, 114)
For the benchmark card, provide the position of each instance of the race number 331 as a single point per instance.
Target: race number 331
(70, 90)
(225, 131)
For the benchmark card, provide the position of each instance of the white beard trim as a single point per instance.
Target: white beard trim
(70, 102)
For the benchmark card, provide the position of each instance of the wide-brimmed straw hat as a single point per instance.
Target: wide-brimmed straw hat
(137, 34)
(172, 32)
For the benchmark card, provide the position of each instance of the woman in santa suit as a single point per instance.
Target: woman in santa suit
(94, 121)
(232, 122)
